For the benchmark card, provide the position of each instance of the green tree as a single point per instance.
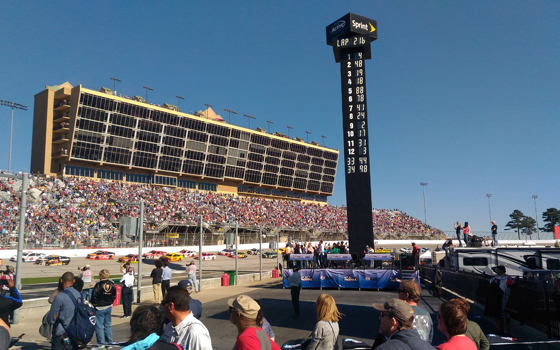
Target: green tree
(552, 217)
(529, 225)
(516, 222)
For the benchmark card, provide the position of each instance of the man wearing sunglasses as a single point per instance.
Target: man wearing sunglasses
(244, 313)
(396, 320)
(184, 329)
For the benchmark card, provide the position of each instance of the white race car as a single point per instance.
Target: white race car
(29, 257)
(207, 256)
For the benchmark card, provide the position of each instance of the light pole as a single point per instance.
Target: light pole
(536, 217)
(207, 106)
(249, 117)
(323, 137)
(114, 85)
(269, 122)
(140, 242)
(22, 209)
(179, 98)
(424, 184)
(229, 113)
(12, 105)
(260, 253)
(236, 251)
(147, 88)
(488, 195)
(289, 128)
(307, 132)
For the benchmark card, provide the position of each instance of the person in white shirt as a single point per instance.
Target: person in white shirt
(127, 282)
(87, 276)
(192, 275)
(184, 329)
(295, 286)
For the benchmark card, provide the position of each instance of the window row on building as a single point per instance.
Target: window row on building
(279, 193)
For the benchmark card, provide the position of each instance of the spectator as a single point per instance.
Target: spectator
(165, 277)
(263, 323)
(195, 306)
(498, 296)
(243, 313)
(127, 282)
(102, 298)
(473, 329)
(458, 229)
(62, 310)
(415, 255)
(59, 289)
(156, 281)
(410, 292)
(146, 326)
(5, 335)
(467, 234)
(9, 301)
(396, 320)
(325, 333)
(184, 329)
(87, 276)
(494, 230)
(447, 245)
(295, 288)
(192, 275)
(452, 322)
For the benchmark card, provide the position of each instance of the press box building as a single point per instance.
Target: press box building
(88, 133)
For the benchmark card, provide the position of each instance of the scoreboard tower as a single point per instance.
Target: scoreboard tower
(350, 37)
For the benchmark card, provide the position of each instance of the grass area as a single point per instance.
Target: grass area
(38, 280)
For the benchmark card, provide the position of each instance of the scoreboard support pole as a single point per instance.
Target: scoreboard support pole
(350, 37)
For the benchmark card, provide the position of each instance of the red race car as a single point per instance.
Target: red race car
(154, 254)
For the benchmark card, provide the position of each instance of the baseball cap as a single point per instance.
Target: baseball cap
(246, 306)
(399, 309)
(186, 284)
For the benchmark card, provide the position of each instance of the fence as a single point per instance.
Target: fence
(507, 235)
(533, 303)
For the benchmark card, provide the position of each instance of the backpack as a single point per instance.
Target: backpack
(81, 328)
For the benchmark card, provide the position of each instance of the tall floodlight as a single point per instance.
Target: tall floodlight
(179, 98)
(289, 128)
(308, 132)
(249, 117)
(536, 217)
(12, 105)
(424, 184)
(115, 85)
(488, 195)
(208, 106)
(147, 89)
(350, 38)
(269, 122)
(229, 112)
(323, 137)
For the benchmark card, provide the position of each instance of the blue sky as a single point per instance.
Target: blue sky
(463, 95)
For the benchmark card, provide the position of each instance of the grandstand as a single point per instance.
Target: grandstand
(62, 210)
(96, 134)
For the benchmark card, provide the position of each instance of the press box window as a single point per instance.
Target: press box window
(187, 184)
(475, 261)
(109, 174)
(78, 171)
(140, 178)
(165, 180)
(205, 186)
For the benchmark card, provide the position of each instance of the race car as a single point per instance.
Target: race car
(253, 251)
(226, 252)
(269, 255)
(29, 257)
(53, 260)
(241, 255)
(173, 257)
(154, 254)
(187, 253)
(101, 255)
(133, 258)
(207, 256)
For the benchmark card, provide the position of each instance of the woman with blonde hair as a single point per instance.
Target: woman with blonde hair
(325, 333)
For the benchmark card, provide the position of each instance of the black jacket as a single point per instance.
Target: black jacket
(9, 301)
(405, 337)
(104, 293)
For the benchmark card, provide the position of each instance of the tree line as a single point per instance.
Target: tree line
(528, 225)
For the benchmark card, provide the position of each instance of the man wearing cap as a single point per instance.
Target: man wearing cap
(194, 305)
(184, 329)
(396, 321)
(243, 312)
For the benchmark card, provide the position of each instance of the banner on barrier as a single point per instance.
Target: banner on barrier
(377, 257)
(299, 257)
(346, 278)
(339, 257)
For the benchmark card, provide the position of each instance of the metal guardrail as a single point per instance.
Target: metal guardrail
(535, 304)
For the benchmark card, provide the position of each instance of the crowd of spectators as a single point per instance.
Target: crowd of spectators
(75, 211)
